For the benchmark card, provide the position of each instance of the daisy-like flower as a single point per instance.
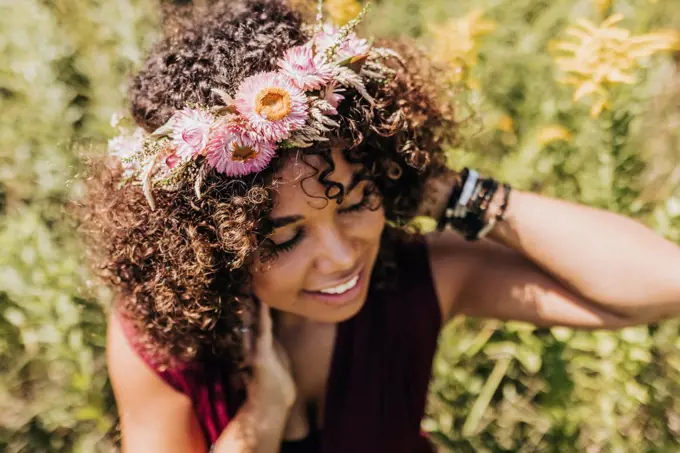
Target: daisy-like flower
(125, 146)
(233, 151)
(331, 94)
(351, 46)
(272, 104)
(306, 70)
(190, 132)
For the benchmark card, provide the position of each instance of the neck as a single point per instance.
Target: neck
(289, 323)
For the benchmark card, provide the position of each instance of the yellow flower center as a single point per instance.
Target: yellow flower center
(273, 103)
(243, 153)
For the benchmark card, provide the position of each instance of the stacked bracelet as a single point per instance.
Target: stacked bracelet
(469, 203)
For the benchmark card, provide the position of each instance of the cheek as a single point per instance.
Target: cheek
(368, 226)
(279, 281)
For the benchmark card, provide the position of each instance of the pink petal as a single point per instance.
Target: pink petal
(193, 136)
(172, 160)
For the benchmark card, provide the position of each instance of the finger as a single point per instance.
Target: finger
(264, 341)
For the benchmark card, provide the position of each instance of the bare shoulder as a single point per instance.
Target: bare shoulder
(153, 415)
(128, 371)
(453, 261)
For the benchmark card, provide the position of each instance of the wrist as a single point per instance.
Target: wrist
(494, 206)
(475, 205)
(437, 193)
(256, 428)
(267, 410)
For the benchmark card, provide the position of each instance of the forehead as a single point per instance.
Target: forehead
(298, 182)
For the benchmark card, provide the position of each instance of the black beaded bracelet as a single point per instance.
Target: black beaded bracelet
(500, 217)
(446, 216)
(468, 204)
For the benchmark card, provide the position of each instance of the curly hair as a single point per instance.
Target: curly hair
(182, 270)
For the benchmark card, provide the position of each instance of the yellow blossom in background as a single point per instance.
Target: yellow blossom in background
(603, 6)
(505, 124)
(455, 43)
(595, 58)
(342, 11)
(553, 133)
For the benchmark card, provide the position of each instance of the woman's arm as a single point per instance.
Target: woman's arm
(153, 415)
(257, 428)
(156, 417)
(610, 259)
(554, 262)
(259, 424)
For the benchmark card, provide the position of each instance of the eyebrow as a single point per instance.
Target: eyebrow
(278, 222)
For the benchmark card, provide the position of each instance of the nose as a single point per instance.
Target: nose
(335, 254)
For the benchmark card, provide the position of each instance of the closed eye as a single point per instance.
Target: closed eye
(276, 249)
(355, 207)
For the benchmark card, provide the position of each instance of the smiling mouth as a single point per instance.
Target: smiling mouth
(342, 288)
(349, 283)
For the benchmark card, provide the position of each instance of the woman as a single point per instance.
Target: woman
(276, 166)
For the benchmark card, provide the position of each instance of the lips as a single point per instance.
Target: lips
(340, 282)
(345, 298)
(339, 289)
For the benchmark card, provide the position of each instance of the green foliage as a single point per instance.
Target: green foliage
(513, 387)
(497, 387)
(64, 66)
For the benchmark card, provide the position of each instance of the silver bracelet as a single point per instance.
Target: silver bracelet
(470, 183)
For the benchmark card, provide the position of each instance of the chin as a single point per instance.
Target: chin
(339, 314)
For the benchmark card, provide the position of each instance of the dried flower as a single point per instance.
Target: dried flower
(234, 151)
(190, 131)
(273, 105)
(331, 94)
(124, 147)
(304, 69)
(351, 46)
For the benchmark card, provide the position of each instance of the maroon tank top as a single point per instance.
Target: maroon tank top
(379, 376)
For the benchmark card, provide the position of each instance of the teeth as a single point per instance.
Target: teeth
(341, 288)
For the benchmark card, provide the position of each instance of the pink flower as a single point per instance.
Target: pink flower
(352, 46)
(272, 104)
(125, 146)
(171, 160)
(331, 94)
(234, 151)
(190, 131)
(306, 71)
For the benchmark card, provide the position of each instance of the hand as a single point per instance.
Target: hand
(259, 424)
(272, 382)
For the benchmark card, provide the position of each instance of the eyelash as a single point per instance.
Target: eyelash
(288, 245)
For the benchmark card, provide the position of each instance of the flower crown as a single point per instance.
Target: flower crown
(288, 108)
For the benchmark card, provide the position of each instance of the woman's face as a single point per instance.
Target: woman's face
(324, 251)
